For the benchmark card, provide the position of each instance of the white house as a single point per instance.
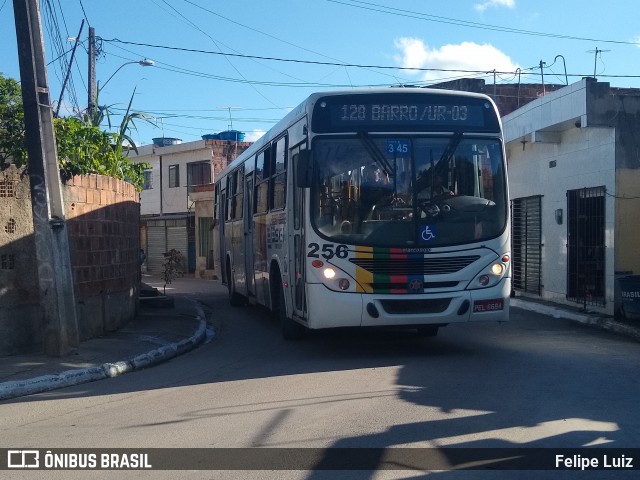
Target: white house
(574, 172)
(168, 218)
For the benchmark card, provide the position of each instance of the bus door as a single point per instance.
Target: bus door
(236, 182)
(297, 247)
(222, 246)
(248, 236)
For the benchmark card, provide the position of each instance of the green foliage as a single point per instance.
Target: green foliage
(12, 140)
(83, 147)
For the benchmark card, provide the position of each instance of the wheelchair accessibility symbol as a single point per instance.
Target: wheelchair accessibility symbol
(427, 233)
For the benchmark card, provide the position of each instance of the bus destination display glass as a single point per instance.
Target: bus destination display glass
(422, 112)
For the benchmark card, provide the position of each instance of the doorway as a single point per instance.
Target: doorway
(585, 246)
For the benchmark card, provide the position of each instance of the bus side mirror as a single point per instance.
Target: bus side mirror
(304, 169)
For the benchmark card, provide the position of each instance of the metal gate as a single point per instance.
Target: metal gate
(156, 246)
(585, 247)
(162, 236)
(526, 235)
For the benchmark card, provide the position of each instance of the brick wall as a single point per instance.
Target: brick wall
(103, 215)
(103, 223)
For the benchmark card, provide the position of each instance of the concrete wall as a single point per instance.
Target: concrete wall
(21, 323)
(103, 216)
(584, 157)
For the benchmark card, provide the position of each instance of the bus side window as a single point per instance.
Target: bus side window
(262, 182)
(279, 182)
(230, 192)
(239, 194)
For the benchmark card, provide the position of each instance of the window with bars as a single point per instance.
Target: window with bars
(7, 261)
(7, 188)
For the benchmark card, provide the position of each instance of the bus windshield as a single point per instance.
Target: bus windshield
(404, 191)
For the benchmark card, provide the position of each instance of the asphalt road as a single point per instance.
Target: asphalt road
(533, 382)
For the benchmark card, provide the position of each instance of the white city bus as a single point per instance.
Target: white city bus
(385, 207)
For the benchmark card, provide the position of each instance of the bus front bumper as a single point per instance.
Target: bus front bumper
(335, 309)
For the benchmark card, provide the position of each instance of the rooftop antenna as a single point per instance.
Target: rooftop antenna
(235, 150)
(227, 107)
(595, 60)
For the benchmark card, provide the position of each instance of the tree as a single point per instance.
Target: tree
(13, 147)
(82, 147)
(173, 267)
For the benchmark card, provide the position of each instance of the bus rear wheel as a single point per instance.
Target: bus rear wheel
(235, 299)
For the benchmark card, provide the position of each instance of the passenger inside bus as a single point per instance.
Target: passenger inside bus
(375, 191)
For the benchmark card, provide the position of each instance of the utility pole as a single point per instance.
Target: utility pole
(93, 85)
(66, 77)
(55, 279)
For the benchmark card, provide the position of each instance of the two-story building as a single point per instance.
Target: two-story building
(168, 217)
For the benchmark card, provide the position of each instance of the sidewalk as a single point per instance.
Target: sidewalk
(164, 328)
(629, 328)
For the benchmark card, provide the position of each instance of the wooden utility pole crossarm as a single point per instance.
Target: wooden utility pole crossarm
(50, 232)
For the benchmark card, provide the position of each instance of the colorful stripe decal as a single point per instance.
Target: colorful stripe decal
(368, 282)
(364, 279)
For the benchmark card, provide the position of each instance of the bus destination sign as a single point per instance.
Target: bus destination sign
(348, 114)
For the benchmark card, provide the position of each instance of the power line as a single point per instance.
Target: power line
(291, 44)
(315, 62)
(464, 23)
(217, 46)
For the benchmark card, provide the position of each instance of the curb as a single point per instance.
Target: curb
(19, 388)
(602, 322)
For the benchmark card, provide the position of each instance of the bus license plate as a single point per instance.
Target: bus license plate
(488, 305)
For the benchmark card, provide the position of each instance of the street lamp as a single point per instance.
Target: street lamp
(144, 63)
(94, 90)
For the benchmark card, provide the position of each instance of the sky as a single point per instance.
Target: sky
(243, 64)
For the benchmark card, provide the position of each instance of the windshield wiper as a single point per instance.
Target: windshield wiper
(375, 153)
(456, 138)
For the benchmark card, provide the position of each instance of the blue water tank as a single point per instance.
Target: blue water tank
(166, 141)
(232, 136)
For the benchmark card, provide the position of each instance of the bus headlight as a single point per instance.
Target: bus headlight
(492, 274)
(333, 277)
(497, 268)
